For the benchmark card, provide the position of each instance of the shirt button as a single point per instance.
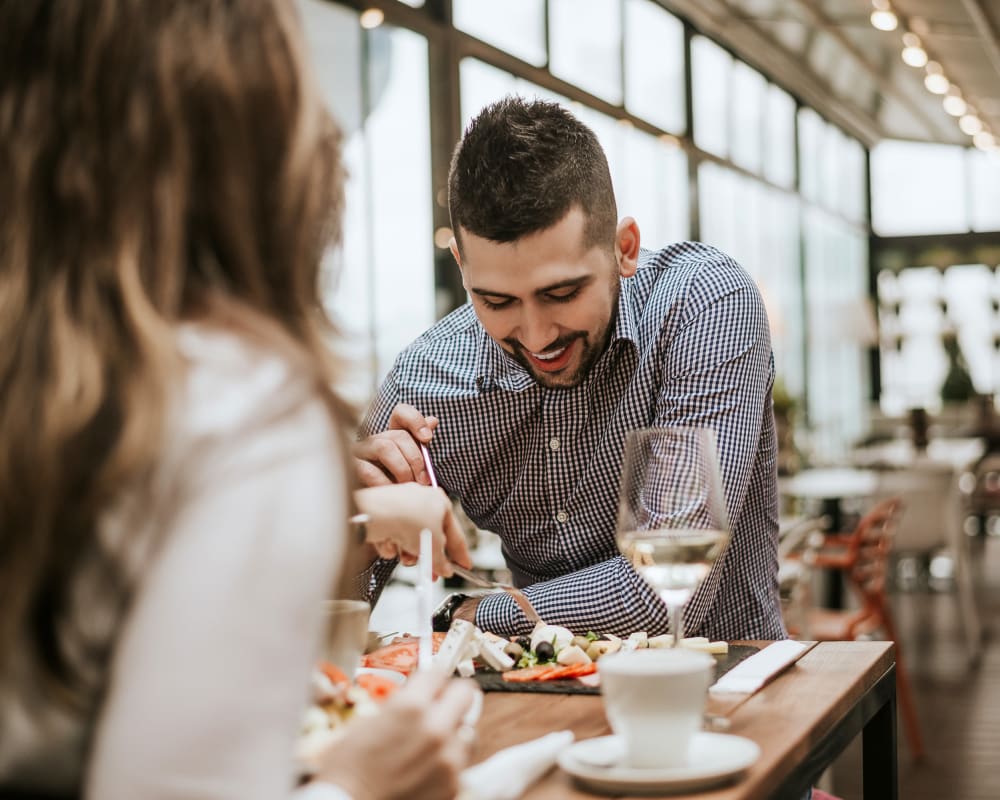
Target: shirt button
(553, 443)
(562, 516)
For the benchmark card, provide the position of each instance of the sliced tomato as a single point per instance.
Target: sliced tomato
(333, 672)
(529, 673)
(570, 671)
(377, 686)
(400, 654)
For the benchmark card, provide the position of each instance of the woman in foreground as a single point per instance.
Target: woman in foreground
(173, 471)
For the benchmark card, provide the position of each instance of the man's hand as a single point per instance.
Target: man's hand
(393, 456)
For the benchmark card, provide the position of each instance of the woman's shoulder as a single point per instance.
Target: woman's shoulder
(231, 382)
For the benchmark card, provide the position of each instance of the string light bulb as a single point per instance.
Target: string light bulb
(953, 103)
(914, 54)
(969, 123)
(935, 81)
(371, 18)
(883, 18)
(984, 140)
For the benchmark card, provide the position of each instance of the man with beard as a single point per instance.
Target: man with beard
(573, 336)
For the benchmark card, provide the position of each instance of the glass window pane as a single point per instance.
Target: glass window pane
(967, 290)
(781, 286)
(517, 26)
(654, 65)
(854, 200)
(841, 329)
(482, 84)
(381, 301)
(911, 200)
(984, 179)
(334, 38)
(651, 184)
(717, 206)
(831, 167)
(779, 137)
(748, 103)
(400, 170)
(810, 152)
(585, 45)
(710, 67)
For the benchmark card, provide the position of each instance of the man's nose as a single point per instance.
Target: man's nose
(536, 330)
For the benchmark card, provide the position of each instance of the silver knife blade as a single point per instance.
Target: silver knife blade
(519, 597)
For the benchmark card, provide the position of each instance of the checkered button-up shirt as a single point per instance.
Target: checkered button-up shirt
(541, 467)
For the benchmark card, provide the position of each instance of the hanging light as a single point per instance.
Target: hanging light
(935, 81)
(969, 123)
(984, 140)
(882, 16)
(914, 54)
(371, 18)
(953, 102)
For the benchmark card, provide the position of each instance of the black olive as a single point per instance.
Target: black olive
(525, 643)
(545, 651)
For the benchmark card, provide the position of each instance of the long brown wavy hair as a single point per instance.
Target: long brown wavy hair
(159, 162)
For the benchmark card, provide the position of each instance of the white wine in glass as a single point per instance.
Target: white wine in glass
(672, 519)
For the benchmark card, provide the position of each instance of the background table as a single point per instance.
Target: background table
(802, 721)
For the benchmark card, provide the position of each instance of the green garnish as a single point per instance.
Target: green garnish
(591, 636)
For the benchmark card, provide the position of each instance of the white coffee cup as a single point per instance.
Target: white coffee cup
(654, 700)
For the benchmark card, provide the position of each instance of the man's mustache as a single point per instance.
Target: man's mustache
(562, 341)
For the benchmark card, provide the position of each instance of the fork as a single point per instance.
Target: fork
(519, 597)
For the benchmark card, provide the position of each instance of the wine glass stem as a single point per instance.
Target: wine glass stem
(677, 623)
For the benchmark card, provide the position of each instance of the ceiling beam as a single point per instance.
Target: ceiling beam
(720, 20)
(934, 127)
(988, 35)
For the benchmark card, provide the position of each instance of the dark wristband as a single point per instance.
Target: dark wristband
(444, 613)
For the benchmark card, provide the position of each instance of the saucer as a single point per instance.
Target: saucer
(714, 758)
(389, 674)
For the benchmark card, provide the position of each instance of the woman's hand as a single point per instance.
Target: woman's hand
(411, 748)
(398, 512)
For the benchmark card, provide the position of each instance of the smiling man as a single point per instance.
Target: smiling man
(574, 336)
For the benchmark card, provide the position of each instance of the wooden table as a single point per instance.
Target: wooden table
(802, 721)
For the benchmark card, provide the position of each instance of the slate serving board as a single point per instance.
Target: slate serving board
(494, 682)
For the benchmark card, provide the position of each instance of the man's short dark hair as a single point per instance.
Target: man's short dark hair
(521, 166)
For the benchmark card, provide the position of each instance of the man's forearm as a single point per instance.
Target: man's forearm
(606, 598)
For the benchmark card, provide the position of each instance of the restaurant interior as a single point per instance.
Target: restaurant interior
(847, 154)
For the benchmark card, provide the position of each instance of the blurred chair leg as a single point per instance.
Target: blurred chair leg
(967, 602)
(905, 695)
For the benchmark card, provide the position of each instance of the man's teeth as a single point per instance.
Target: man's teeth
(549, 356)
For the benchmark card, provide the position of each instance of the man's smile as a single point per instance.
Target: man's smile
(551, 360)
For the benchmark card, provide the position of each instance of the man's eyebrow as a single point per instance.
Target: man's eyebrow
(583, 280)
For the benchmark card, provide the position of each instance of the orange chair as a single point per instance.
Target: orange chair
(863, 558)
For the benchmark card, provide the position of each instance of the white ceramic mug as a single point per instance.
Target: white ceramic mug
(655, 700)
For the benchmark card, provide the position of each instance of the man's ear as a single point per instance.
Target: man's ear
(453, 246)
(627, 247)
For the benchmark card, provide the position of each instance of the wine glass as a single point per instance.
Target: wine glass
(672, 519)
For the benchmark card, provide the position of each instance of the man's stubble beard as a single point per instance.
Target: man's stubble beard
(589, 357)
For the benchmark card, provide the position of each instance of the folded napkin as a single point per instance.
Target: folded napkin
(749, 675)
(508, 774)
